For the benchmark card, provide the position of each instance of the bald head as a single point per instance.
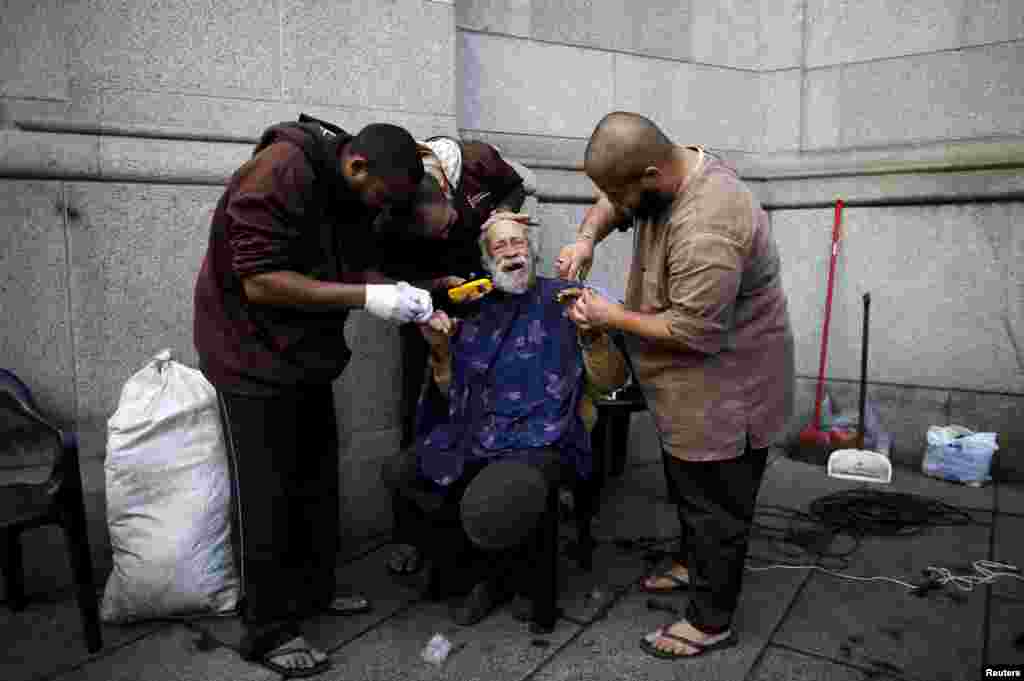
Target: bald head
(623, 145)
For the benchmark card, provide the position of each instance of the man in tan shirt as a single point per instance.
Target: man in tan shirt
(708, 327)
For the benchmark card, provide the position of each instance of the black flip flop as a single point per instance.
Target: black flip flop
(648, 646)
(267, 660)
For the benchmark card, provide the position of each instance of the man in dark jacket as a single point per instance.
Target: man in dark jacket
(285, 263)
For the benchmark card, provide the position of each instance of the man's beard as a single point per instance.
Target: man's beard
(651, 205)
(517, 281)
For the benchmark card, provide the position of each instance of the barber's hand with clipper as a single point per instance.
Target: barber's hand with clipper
(575, 259)
(592, 311)
(398, 302)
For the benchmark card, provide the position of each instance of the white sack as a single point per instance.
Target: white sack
(168, 498)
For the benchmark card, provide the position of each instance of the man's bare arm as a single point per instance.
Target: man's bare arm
(290, 289)
(599, 220)
(441, 369)
(650, 326)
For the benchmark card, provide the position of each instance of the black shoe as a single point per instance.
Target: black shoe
(479, 603)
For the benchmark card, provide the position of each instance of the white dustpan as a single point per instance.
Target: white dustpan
(860, 464)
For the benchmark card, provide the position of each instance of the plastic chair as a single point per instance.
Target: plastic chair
(26, 434)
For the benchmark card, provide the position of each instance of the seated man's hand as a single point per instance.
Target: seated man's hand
(438, 329)
(592, 311)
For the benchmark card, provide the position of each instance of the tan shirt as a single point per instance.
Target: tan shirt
(709, 266)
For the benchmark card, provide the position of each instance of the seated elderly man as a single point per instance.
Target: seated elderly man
(508, 408)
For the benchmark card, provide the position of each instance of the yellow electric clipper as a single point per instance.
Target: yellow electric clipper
(470, 291)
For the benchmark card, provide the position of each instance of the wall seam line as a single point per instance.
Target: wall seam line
(69, 305)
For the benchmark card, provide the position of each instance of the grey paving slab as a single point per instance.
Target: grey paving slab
(1006, 627)
(46, 639)
(781, 664)
(183, 47)
(173, 653)
(397, 55)
(609, 649)
(871, 623)
(640, 479)
(1010, 497)
(499, 648)
(1007, 548)
(912, 481)
(796, 484)
(36, 343)
(635, 516)
(32, 58)
(585, 596)
(567, 102)
(366, 576)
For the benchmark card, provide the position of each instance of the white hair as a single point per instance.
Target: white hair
(529, 230)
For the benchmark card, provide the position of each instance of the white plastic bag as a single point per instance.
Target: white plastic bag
(959, 454)
(168, 499)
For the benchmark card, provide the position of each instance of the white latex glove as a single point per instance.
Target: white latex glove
(398, 302)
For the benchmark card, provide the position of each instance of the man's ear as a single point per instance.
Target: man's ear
(358, 166)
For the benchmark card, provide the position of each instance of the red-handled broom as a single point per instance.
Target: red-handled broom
(813, 440)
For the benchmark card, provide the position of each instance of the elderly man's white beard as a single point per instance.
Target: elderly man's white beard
(515, 281)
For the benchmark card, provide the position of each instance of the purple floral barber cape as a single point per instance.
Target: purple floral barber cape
(517, 379)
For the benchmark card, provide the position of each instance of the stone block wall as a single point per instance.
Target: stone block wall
(119, 123)
(906, 110)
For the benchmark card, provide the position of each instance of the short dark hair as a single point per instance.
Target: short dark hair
(390, 151)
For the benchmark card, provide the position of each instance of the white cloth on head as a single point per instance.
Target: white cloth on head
(447, 157)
